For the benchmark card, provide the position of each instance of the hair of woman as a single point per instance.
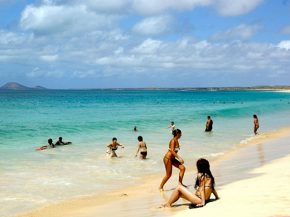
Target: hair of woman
(175, 132)
(203, 167)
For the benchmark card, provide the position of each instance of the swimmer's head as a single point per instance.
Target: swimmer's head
(140, 138)
(114, 139)
(208, 117)
(176, 133)
(172, 123)
(255, 116)
(49, 141)
(60, 138)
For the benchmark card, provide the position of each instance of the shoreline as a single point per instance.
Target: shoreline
(101, 204)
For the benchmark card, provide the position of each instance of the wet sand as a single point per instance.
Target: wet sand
(237, 173)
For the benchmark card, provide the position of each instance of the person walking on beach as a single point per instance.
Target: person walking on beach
(171, 158)
(142, 148)
(204, 187)
(256, 124)
(208, 125)
(172, 126)
(113, 147)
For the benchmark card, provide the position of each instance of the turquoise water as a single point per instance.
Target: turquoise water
(90, 118)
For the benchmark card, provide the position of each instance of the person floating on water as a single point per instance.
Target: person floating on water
(142, 148)
(204, 187)
(171, 158)
(113, 147)
(256, 124)
(208, 125)
(49, 145)
(60, 142)
(135, 129)
(172, 126)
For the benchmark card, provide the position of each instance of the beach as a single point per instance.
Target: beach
(251, 181)
(81, 179)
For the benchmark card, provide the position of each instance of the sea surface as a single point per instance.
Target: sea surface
(90, 118)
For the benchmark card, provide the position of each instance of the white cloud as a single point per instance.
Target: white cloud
(160, 6)
(49, 58)
(286, 30)
(284, 45)
(103, 54)
(148, 46)
(51, 19)
(242, 32)
(119, 51)
(81, 39)
(235, 8)
(154, 25)
(11, 38)
(38, 72)
(106, 6)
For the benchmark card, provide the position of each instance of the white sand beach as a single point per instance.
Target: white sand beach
(265, 194)
(252, 180)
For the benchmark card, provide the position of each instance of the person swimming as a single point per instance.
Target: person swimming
(171, 158)
(113, 147)
(208, 125)
(60, 142)
(142, 148)
(49, 145)
(135, 129)
(205, 186)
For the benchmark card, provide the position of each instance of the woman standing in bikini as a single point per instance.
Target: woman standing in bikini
(256, 124)
(171, 158)
(142, 148)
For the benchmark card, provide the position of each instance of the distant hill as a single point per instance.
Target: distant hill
(17, 86)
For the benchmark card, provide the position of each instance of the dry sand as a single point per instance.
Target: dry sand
(267, 193)
(252, 181)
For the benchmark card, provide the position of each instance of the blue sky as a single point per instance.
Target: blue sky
(145, 43)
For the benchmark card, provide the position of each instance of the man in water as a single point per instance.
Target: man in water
(60, 142)
(135, 129)
(208, 125)
(113, 147)
(49, 145)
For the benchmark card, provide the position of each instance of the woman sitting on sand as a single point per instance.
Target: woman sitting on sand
(171, 158)
(204, 185)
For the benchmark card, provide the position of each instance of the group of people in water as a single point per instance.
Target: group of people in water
(53, 145)
(205, 182)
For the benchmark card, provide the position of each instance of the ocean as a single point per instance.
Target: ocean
(90, 118)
